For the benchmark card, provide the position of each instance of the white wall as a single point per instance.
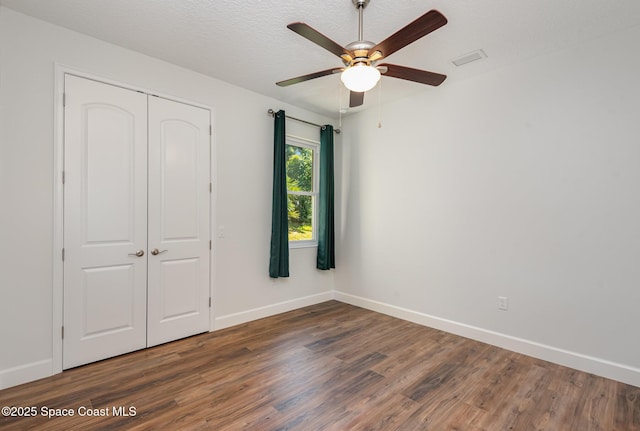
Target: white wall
(525, 183)
(243, 136)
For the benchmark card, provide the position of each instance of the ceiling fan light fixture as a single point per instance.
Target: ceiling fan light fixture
(360, 77)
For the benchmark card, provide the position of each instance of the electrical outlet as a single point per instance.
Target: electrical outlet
(503, 303)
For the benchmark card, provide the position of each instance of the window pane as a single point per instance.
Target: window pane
(299, 169)
(300, 210)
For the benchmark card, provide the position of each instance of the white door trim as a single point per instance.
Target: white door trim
(58, 198)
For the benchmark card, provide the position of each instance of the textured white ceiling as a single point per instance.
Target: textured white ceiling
(246, 43)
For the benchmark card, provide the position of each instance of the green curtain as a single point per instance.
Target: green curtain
(279, 258)
(326, 234)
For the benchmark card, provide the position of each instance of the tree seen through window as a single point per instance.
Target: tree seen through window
(301, 192)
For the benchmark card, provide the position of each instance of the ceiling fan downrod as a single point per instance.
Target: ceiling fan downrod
(360, 47)
(360, 5)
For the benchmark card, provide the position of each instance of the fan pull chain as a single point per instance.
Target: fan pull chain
(340, 104)
(380, 104)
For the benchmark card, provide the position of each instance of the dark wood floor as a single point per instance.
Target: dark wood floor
(330, 366)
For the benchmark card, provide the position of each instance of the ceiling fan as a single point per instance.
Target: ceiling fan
(361, 72)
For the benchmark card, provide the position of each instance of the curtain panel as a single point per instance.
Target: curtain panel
(326, 233)
(279, 256)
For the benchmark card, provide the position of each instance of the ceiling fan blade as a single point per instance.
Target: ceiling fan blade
(303, 78)
(356, 99)
(318, 38)
(422, 26)
(415, 75)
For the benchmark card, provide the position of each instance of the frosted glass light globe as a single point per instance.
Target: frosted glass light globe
(360, 77)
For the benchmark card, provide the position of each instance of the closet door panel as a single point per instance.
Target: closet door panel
(179, 205)
(105, 221)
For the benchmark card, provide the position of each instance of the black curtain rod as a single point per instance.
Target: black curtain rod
(273, 113)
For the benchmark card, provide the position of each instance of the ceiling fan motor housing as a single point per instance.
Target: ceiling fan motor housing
(360, 49)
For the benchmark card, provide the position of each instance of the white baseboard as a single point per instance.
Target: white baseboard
(578, 361)
(269, 310)
(26, 373)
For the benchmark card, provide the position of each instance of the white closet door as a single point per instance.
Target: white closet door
(179, 205)
(105, 221)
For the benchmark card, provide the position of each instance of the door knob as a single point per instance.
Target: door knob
(156, 252)
(138, 253)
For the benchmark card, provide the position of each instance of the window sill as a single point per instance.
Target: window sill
(302, 244)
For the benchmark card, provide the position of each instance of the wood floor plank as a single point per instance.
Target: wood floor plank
(328, 367)
(627, 409)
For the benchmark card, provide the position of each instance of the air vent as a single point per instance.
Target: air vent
(468, 58)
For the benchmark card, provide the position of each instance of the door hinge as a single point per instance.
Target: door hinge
(209, 302)
(210, 130)
(210, 187)
(209, 244)
(63, 254)
(62, 332)
(63, 177)
(64, 99)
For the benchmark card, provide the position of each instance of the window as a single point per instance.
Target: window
(302, 164)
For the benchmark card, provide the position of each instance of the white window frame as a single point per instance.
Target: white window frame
(313, 145)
